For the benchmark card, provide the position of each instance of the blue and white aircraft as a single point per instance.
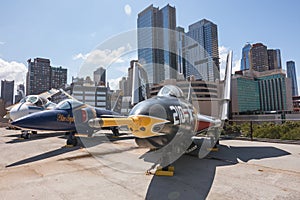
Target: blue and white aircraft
(31, 104)
(69, 116)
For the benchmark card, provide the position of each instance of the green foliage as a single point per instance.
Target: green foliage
(231, 129)
(286, 131)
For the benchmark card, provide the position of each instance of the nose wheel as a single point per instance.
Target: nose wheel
(25, 135)
(72, 140)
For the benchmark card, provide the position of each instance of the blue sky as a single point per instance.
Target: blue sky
(66, 31)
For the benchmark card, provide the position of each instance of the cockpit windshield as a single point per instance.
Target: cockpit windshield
(31, 99)
(68, 104)
(171, 90)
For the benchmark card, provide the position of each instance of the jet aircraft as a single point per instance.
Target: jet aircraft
(169, 121)
(69, 116)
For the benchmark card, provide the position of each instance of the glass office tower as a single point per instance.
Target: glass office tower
(291, 73)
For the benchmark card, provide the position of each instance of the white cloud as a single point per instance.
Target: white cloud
(106, 58)
(2, 43)
(13, 71)
(80, 56)
(127, 9)
(114, 83)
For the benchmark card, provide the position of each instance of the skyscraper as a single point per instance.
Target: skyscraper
(100, 76)
(7, 92)
(274, 59)
(291, 73)
(58, 77)
(245, 61)
(20, 93)
(260, 92)
(157, 42)
(38, 76)
(180, 45)
(203, 51)
(42, 77)
(259, 57)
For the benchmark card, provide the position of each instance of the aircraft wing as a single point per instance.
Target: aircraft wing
(49, 93)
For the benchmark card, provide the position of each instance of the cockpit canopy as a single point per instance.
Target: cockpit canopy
(68, 104)
(171, 90)
(35, 99)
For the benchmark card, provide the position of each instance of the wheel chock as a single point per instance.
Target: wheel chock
(171, 168)
(68, 146)
(215, 149)
(165, 171)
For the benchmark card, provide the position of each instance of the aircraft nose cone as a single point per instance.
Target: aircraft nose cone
(18, 111)
(33, 120)
(22, 122)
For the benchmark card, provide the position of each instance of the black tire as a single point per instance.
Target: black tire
(115, 131)
(27, 136)
(72, 140)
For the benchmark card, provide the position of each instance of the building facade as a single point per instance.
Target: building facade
(157, 42)
(20, 93)
(100, 76)
(245, 61)
(58, 77)
(291, 73)
(261, 92)
(202, 51)
(7, 92)
(38, 76)
(274, 59)
(205, 95)
(259, 57)
(42, 77)
(92, 95)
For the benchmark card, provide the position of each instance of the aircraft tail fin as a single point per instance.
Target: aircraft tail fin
(140, 85)
(224, 115)
(118, 104)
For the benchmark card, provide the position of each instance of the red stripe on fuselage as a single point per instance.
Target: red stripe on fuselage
(202, 125)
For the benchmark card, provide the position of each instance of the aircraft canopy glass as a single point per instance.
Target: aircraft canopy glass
(171, 90)
(68, 104)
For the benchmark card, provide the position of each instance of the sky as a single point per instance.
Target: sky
(68, 32)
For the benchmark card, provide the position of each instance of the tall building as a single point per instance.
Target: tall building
(274, 59)
(7, 92)
(124, 86)
(180, 45)
(100, 76)
(259, 92)
(58, 77)
(157, 42)
(259, 57)
(42, 77)
(93, 95)
(20, 93)
(291, 73)
(202, 52)
(38, 76)
(245, 61)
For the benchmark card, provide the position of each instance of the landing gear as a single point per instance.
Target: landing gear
(72, 140)
(25, 134)
(115, 131)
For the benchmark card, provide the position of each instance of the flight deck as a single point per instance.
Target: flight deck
(104, 167)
